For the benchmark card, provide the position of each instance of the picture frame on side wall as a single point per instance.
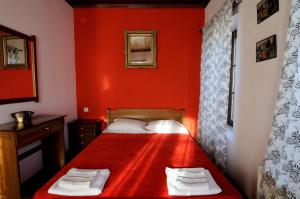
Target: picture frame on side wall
(265, 9)
(266, 49)
(14, 52)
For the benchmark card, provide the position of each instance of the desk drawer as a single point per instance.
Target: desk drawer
(39, 132)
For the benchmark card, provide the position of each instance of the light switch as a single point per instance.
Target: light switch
(86, 109)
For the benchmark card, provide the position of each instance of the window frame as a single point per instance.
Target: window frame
(232, 67)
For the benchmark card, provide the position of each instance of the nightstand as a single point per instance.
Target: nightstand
(81, 133)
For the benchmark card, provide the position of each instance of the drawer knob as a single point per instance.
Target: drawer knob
(81, 136)
(47, 128)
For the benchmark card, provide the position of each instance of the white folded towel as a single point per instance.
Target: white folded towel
(186, 172)
(74, 183)
(80, 182)
(78, 178)
(188, 179)
(190, 182)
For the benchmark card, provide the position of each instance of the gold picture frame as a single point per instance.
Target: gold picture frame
(14, 52)
(140, 49)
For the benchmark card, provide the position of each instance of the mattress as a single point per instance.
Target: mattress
(137, 164)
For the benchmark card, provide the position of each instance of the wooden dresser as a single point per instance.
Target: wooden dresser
(47, 128)
(81, 133)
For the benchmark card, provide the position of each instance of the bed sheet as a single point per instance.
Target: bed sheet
(137, 164)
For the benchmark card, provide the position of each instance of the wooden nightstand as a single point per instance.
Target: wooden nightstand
(81, 133)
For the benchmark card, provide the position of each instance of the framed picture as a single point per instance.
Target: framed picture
(14, 52)
(265, 9)
(140, 49)
(266, 49)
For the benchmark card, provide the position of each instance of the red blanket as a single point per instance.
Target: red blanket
(137, 163)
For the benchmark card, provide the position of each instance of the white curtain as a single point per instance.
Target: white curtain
(281, 168)
(215, 73)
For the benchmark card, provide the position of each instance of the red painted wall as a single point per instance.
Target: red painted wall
(102, 80)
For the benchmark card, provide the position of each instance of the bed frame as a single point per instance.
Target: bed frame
(145, 114)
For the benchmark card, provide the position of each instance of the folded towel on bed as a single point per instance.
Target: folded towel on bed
(186, 172)
(190, 182)
(78, 178)
(80, 182)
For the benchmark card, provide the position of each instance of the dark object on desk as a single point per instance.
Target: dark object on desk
(81, 133)
(22, 116)
(47, 128)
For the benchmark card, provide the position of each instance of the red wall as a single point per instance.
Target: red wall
(102, 80)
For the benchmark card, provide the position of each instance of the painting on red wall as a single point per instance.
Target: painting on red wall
(140, 49)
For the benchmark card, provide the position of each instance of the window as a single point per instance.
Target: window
(233, 65)
(232, 80)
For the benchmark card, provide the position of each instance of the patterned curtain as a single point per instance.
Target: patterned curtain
(215, 73)
(281, 168)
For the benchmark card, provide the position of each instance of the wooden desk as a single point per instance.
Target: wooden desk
(47, 128)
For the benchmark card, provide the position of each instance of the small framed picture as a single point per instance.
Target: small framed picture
(265, 9)
(14, 52)
(140, 49)
(266, 49)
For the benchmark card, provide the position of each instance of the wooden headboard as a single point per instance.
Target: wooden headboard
(145, 114)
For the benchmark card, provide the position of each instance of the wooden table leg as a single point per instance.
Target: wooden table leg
(9, 167)
(54, 151)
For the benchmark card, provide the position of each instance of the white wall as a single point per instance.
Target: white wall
(212, 8)
(256, 92)
(52, 23)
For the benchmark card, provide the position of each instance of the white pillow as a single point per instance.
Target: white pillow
(166, 126)
(123, 124)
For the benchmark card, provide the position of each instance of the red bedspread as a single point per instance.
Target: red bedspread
(137, 163)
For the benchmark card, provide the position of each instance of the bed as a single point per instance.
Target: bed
(137, 161)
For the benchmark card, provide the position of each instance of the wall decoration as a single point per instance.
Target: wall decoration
(140, 49)
(266, 49)
(265, 9)
(14, 52)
